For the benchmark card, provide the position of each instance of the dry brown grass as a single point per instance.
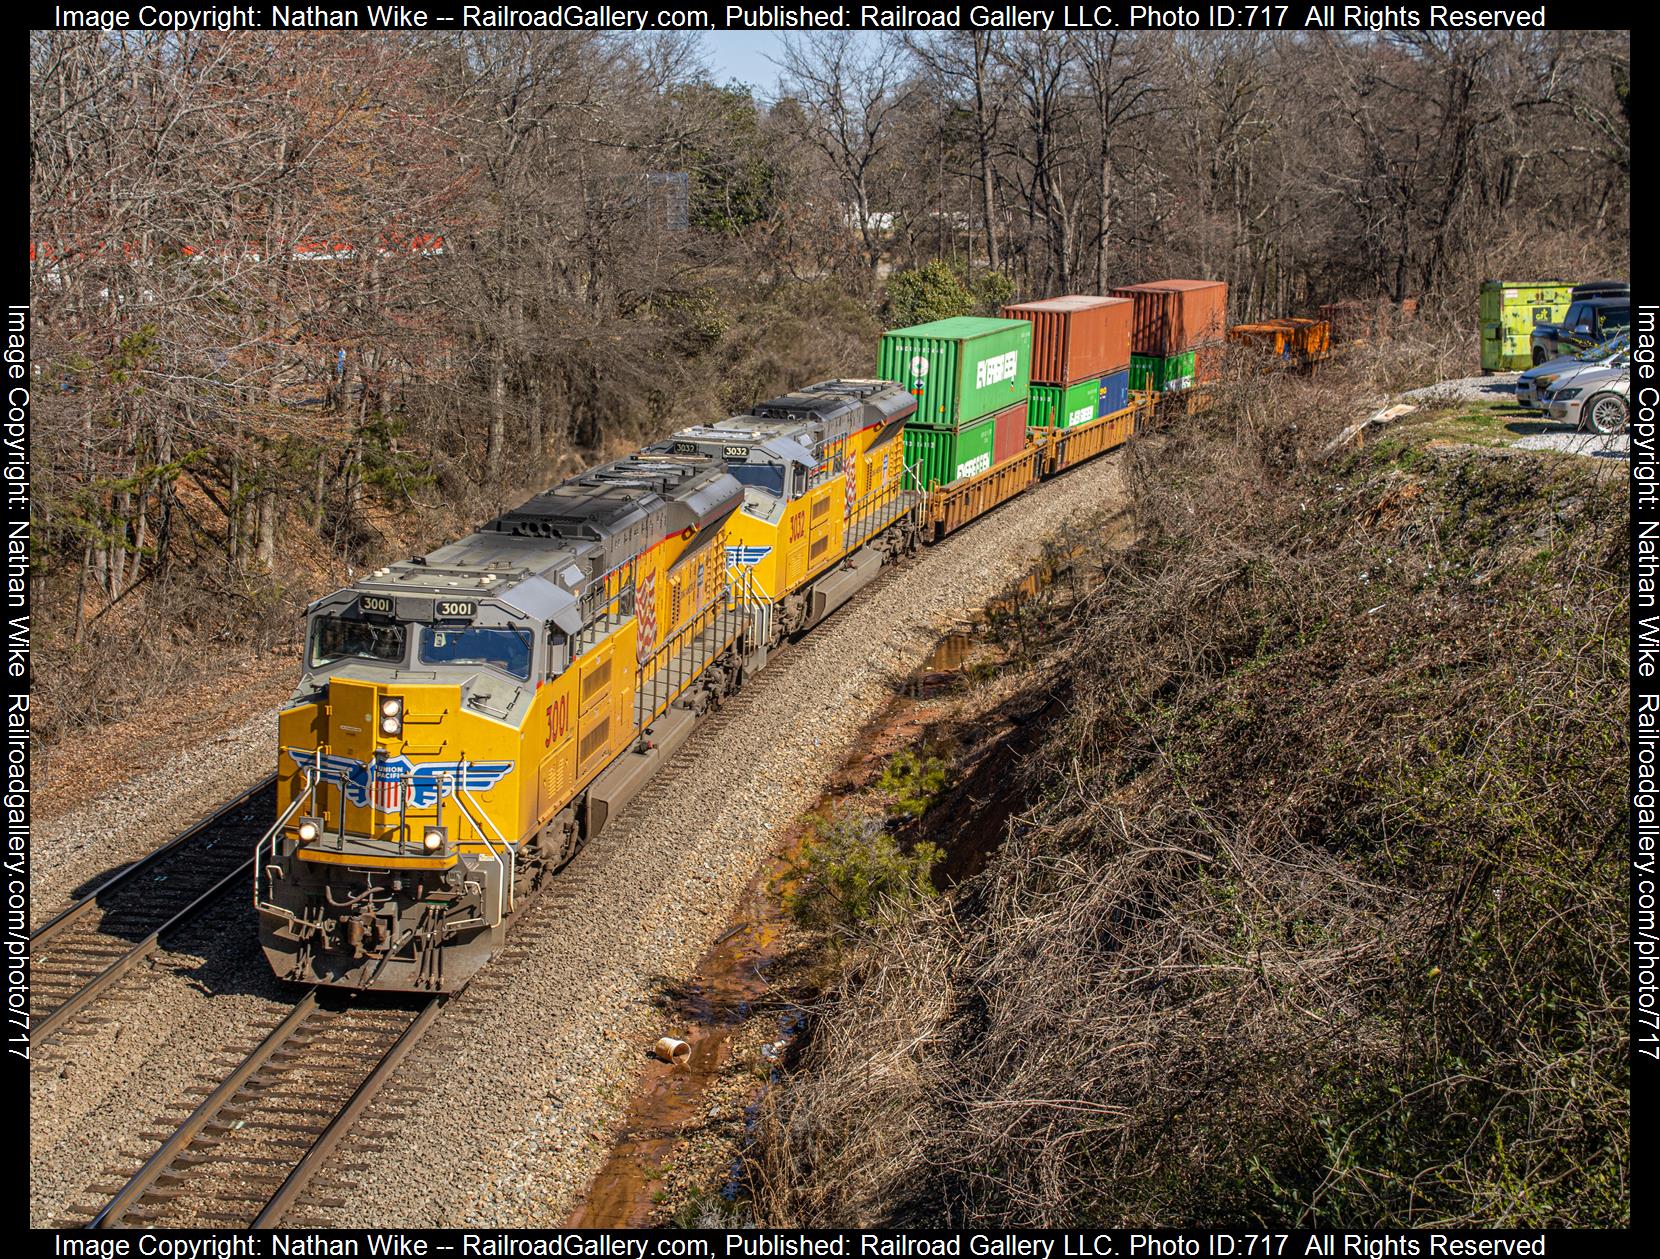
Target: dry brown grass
(1315, 914)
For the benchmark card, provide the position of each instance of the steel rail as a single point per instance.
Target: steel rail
(143, 1180)
(85, 995)
(311, 1162)
(87, 903)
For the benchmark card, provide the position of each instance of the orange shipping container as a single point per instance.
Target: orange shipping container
(1172, 316)
(1076, 337)
(1010, 438)
(1311, 336)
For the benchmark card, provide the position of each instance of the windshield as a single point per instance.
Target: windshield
(763, 476)
(500, 647)
(335, 638)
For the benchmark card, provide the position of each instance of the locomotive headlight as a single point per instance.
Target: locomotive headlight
(432, 839)
(391, 716)
(389, 725)
(391, 707)
(309, 829)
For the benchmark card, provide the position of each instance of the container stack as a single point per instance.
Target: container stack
(970, 378)
(1174, 323)
(1080, 358)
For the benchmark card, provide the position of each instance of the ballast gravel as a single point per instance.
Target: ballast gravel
(105, 1093)
(520, 1117)
(524, 1077)
(86, 844)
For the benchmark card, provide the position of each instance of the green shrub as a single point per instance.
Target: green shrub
(853, 874)
(937, 290)
(913, 781)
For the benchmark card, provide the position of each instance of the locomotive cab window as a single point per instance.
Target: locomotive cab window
(762, 476)
(499, 647)
(335, 638)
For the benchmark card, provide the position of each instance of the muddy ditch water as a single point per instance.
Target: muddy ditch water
(741, 1014)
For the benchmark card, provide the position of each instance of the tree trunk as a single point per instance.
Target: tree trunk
(233, 517)
(319, 482)
(535, 434)
(267, 529)
(983, 128)
(1103, 223)
(498, 414)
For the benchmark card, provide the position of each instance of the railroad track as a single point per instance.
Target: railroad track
(281, 1137)
(249, 1153)
(300, 1116)
(319, 1186)
(82, 953)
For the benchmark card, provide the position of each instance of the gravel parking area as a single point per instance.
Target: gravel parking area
(1612, 446)
(516, 1111)
(1499, 387)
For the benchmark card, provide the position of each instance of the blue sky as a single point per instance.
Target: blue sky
(744, 56)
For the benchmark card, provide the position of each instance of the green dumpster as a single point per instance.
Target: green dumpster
(1509, 309)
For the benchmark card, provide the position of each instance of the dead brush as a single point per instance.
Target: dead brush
(1314, 917)
(857, 1125)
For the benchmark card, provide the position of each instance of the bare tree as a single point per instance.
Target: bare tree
(851, 96)
(1123, 71)
(967, 63)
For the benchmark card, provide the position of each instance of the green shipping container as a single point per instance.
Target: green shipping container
(1509, 309)
(1162, 375)
(944, 455)
(1054, 407)
(959, 369)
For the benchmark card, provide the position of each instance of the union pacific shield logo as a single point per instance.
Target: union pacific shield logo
(397, 780)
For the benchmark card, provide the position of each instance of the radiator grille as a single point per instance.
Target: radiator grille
(595, 740)
(596, 678)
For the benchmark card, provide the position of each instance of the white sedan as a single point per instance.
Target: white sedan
(1597, 397)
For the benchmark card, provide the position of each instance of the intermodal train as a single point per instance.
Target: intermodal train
(466, 719)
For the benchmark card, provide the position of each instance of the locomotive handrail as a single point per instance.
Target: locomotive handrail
(464, 798)
(743, 577)
(300, 797)
(750, 595)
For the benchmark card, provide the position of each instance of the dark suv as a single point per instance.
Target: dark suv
(1587, 322)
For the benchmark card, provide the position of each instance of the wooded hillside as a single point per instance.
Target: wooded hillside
(304, 302)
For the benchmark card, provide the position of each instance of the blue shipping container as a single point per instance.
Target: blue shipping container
(1115, 393)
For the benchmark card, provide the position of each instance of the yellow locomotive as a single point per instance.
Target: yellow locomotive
(465, 719)
(825, 484)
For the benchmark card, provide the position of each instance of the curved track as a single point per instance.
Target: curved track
(250, 1151)
(283, 1136)
(80, 954)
